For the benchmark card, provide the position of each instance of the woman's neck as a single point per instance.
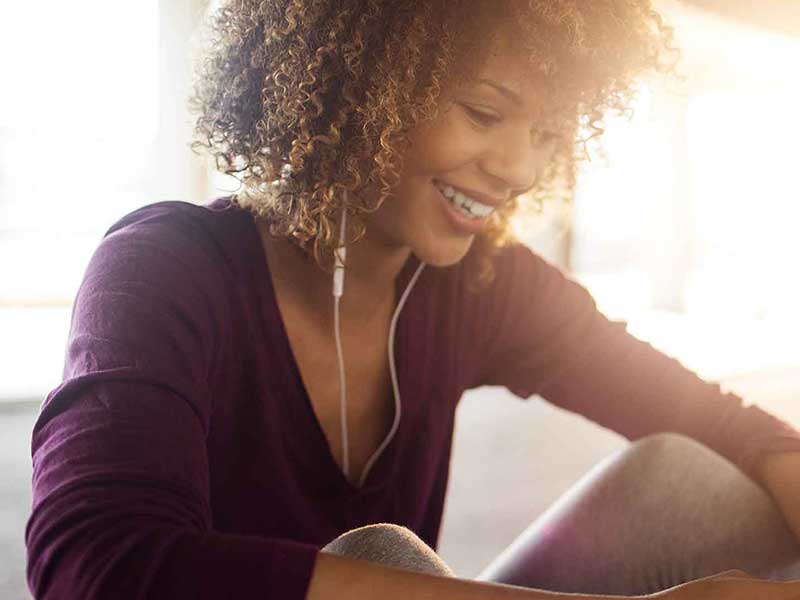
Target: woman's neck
(372, 269)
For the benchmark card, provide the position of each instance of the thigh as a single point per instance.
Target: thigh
(661, 512)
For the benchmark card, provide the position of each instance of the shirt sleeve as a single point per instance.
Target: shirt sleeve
(120, 467)
(545, 336)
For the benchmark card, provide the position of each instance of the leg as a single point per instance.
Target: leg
(391, 545)
(663, 511)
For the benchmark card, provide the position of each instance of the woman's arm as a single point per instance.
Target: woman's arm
(780, 473)
(543, 334)
(336, 577)
(121, 500)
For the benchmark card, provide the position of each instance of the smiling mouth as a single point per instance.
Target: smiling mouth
(467, 206)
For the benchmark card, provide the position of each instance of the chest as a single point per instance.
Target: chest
(370, 406)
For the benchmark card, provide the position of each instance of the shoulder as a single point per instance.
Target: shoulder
(155, 298)
(175, 223)
(527, 292)
(166, 259)
(517, 270)
(518, 259)
(166, 236)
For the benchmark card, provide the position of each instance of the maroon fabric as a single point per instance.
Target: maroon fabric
(180, 456)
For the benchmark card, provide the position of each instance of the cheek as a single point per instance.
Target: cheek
(444, 144)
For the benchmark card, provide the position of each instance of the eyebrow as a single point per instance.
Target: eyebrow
(511, 95)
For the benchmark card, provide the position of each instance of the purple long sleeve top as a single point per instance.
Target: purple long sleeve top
(181, 458)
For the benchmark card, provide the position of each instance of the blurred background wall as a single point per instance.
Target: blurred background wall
(687, 230)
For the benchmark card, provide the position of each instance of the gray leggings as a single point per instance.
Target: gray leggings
(663, 511)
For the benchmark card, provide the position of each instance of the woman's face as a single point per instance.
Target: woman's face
(484, 143)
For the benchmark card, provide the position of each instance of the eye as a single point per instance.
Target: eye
(482, 118)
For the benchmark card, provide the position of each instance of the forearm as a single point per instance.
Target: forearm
(336, 577)
(780, 473)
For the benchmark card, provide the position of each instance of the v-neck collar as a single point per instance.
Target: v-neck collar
(380, 472)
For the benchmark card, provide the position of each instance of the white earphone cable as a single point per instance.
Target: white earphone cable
(338, 290)
(395, 384)
(343, 395)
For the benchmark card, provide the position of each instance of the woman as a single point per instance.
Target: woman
(231, 422)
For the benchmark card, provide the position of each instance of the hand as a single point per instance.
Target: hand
(732, 585)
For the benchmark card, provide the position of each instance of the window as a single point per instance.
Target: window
(92, 126)
(689, 231)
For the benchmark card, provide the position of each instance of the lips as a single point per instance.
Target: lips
(460, 223)
(475, 195)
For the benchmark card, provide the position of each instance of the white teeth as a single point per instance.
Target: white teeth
(482, 210)
(469, 207)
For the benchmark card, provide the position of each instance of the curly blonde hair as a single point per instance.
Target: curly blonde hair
(308, 103)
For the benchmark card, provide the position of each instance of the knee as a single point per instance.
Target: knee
(373, 539)
(674, 451)
(667, 442)
(389, 544)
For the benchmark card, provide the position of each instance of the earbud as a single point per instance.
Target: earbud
(340, 255)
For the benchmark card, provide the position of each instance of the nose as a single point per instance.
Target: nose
(514, 161)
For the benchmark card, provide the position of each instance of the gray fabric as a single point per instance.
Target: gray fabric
(663, 511)
(391, 545)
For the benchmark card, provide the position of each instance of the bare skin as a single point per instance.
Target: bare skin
(481, 141)
(336, 577)
(370, 404)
